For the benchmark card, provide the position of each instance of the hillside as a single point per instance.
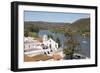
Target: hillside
(45, 25)
(81, 24)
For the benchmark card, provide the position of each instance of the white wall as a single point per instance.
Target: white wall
(5, 35)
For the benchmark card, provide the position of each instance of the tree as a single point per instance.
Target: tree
(50, 36)
(58, 41)
(32, 34)
(68, 52)
(85, 33)
(32, 28)
(26, 33)
(71, 47)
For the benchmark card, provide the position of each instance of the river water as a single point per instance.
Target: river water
(84, 42)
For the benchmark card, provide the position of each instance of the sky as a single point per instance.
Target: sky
(53, 16)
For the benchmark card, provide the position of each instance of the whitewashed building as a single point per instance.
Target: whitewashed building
(34, 47)
(31, 43)
(52, 46)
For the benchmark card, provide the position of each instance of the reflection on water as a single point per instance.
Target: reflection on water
(84, 42)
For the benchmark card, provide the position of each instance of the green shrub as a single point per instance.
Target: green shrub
(32, 34)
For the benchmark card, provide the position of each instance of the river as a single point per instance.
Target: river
(84, 42)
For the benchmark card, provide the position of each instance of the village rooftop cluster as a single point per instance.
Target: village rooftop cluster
(42, 48)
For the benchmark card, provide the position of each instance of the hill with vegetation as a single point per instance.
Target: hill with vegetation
(80, 26)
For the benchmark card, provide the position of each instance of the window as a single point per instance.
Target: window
(56, 45)
(29, 46)
(48, 52)
(43, 47)
(46, 47)
(51, 50)
(50, 45)
(44, 52)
